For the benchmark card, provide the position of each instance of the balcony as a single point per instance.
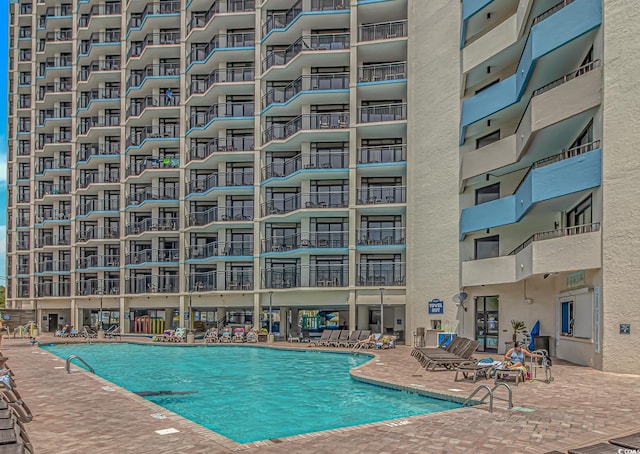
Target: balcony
(60, 113)
(98, 39)
(89, 150)
(220, 280)
(309, 83)
(100, 9)
(85, 208)
(98, 261)
(53, 164)
(539, 255)
(88, 178)
(54, 63)
(236, 178)
(328, 275)
(200, 20)
(308, 240)
(24, 245)
(153, 225)
(390, 274)
(162, 132)
(281, 278)
(162, 283)
(278, 21)
(138, 167)
(52, 289)
(306, 161)
(55, 12)
(374, 195)
(53, 88)
(153, 256)
(50, 266)
(98, 95)
(50, 214)
(153, 194)
(137, 77)
(65, 36)
(201, 52)
(315, 121)
(51, 240)
(310, 200)
(569, 172)
(228, 75)
(138, 105)
(223, 145)
(136, 48)
(97, 66)
(45, 189)
(233, 111)
(216, 214)
(23, 221)
(391, 236)
(222, 249)
(383, 154)
(380, 113)
(97, 233)
(109, 286)
(154, 8)
(307, 43)
(99, 121)
(386, 72)
(382, 31)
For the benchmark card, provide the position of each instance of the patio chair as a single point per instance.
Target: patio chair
(238, 335)
(333, 337)
(226, 336)
(252, 336)
(343, 336)
(179, 335)
(326, 334)
(211, 336)
(352, 339)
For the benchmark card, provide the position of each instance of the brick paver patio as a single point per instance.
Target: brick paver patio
(81, 413)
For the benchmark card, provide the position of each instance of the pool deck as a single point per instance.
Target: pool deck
(81, 413)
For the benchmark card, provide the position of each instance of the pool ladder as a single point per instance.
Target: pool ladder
(490, 392)
(72, 357)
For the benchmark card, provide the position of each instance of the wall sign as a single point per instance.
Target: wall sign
(575, 280)
(436, 306)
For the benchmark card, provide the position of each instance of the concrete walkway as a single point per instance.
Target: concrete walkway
(81, 413)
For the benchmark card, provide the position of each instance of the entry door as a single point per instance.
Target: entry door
(487, 323)
(53, 323)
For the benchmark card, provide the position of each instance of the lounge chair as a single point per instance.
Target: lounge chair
(352, 339)
(179, 335)
(226, 336)
(252, 336)
(461, 352)
(89, 332)
(238, 335)
(333, 337)
(342, 338)
(323, 338)
(211, 336)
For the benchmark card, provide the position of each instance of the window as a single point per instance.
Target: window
(487, 193)
(490, 84)
(488, 139)
(576, 314)
(487, 247)
(580, 215)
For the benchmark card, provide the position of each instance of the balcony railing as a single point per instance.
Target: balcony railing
(334, 160)
(336, 199)
(225, 110)
(49, 266)
(320, 42)
(162, 283)
(52, 289)
(50, 214)
(98, 66)
(108, 286)
(153, 225)
(151, 193)
(382, 30)
(98, 261)
(382, 194)
(153, 39)
(315, 121)
(567, 77)
(203, 251)
(557, 233)
(223, 145)
(551, 11)
(153, 256)
(201, 20)
(306, 240)
(282, 20)
(227, 75)
(154, 8)
(98, 233)
(109, 176)
(238, 177)
(216, 214)
(137, 167)
(60, 113)
(338, 81)
(138, 76)
(52, 240)
(381, 274)
(53, 189)
(381, 236)
(111, 37)
(99, 94)
(138, 105)
(53, 37)
(285, 277)
(87, 206)
(163, 131)
(381, 72)
(53, 138)
(220, 280)
(333, 275)
(101, 9)
(96, 149)
(389, 112)
(382, 153)
(100, 121)
(55, 87)
(201, 51)
(23, 245)
(23, 221)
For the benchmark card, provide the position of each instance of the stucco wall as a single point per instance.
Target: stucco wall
(434, 115)
(621, 186)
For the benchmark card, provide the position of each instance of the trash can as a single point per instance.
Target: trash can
(541, 343)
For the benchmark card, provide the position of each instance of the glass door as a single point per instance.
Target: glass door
(487, 324)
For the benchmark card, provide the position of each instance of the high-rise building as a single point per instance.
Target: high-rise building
(303, 164)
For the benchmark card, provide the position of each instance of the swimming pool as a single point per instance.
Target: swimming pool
(252, 393)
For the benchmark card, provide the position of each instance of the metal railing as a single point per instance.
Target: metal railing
(55, 87)
(138, 105)
(551, 11)
(313, 82)
(383, 30)
(201, 51)
(53, 266)
(320, 160)
(100, 9)
(52, 289)
(72, 357)
(337, 120)
(52, 240)
(382, 153)
(98, 261)
(87, 150)
(201, 218)
(567, 77)
(239, 177)
(99, 121)
(381, 72)
(378, 113)
(98, 66)
(319, 42)
(380, 236)
(53, 189)
(152, 256)
(53, 138)
(221, 145)
(223, 110)
(204, 281)
(200, 85)
(557, 233)
(164, 131)
(381, 274)
(136, 48)
(153, 193)
(137, 167)
(381, 194)
(333, 199)
(162, 283)
(97, 233)
(111, 37)
(153, 225)
(153, 8)
(50, 214)
(201, 20)
(138, 76)
(101, 176)
(87, 206)
(98, 94)
(306, 240)
(95, 286)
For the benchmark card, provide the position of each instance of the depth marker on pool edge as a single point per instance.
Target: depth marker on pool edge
(167, 431)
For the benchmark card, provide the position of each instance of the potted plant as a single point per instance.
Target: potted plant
(517, 327)
(262, 335)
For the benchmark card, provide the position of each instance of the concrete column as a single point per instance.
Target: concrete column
(284, 322)
(363, 316)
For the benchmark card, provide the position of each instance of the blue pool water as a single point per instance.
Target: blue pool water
(251, 393)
